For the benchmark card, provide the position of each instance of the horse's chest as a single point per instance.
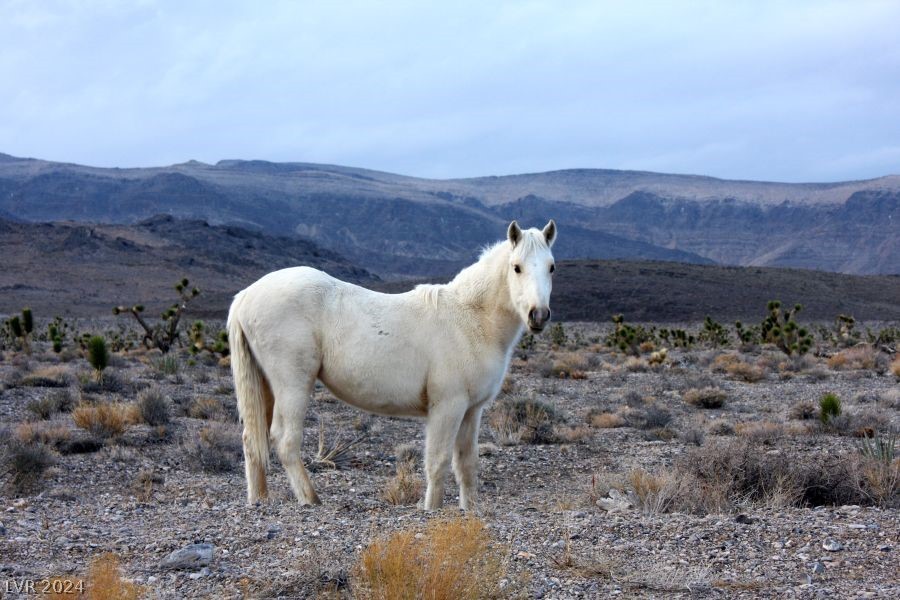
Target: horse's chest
(487, 376)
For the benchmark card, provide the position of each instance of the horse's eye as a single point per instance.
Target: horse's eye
(552, 268)
(517, 268)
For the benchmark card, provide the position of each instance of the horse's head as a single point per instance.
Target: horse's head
(530, 273)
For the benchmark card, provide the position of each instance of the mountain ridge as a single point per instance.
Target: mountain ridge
(402, 226)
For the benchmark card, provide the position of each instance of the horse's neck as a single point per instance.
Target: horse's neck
(482, 291)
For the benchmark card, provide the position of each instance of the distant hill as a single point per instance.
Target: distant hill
(83, 270)
(77, 269)
(402, 226)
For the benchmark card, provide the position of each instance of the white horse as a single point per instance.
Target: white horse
(438, 351)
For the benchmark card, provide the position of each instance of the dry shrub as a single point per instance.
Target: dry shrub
(636, 365)
(571, 434)
(606, 420)
(746, 372)
(646, 347)
(804, 411)
(723, 361)
(895, 366)
(24, 462)
(103, 582)
(103, 420)
(54, 376)
(863, 424)
(405, 487)
(450, 559)
(879, 479)
(56, 401)
(207, 407)
(708, 397)
(653, 493)
(524, 420)
(759, 431)
(53, 433)
(728, 476)
(216, 449)
(861, 356)
(720, 427)
(153, 407)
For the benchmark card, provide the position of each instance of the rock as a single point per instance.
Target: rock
(744, 520)
(832, 545)
(189, 557)
(616, 502)
(272, 531)
(818, 568)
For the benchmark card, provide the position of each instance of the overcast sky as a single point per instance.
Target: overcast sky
(789, 91)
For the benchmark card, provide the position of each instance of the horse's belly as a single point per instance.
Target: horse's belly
(378, 391)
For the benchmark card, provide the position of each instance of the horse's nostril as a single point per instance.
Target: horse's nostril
(546, 314)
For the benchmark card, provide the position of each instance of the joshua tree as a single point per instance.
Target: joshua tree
(165, 334)
(781, 329)
(21, 328)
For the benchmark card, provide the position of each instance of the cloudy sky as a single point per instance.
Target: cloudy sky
(791, 91)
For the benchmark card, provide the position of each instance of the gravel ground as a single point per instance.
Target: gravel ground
(539, 501)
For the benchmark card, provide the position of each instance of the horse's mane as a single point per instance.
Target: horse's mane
(473, 283)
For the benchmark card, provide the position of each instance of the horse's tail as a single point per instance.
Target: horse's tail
(252, 391)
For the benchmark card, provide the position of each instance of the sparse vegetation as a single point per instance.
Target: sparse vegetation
(154, 407)
(23, 462)
(165, 334)
(98, 355)
(216, 449)
(103, 420)
(405, 487)
(450, 558)
(708, 397)
(829, 408)
(781, 328)
(524, 420)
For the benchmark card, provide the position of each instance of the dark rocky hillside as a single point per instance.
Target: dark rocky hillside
(77, 269)
(408, 227)
(83, 270)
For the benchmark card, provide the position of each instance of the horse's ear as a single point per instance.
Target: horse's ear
(550, 232)
(514, 233)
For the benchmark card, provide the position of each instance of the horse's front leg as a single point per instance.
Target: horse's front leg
(465, 458)
(444, 418)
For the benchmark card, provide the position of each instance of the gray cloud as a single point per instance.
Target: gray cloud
(758, 90)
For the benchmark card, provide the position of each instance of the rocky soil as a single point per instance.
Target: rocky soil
(565, 515)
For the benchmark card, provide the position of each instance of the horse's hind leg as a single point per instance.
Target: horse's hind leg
(291, 400)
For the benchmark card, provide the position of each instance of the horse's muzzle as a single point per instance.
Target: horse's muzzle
(538, 318)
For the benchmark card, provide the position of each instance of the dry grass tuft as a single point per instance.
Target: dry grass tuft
(217, 449)
(759, 431)
(104, 420)
(708, 397)
(405, 487)
(450, 559)
(55, 376)
(208, 408)
(52, 433)
(862, 356)
(103, 582)
(524, 420)
(895, 366)
(607, 420)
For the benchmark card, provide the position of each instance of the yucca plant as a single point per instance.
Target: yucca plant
(98, 355)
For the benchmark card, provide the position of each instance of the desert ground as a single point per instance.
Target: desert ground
(714, 470)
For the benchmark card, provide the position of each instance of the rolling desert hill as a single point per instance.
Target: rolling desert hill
(401, 227)
(76, 269)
